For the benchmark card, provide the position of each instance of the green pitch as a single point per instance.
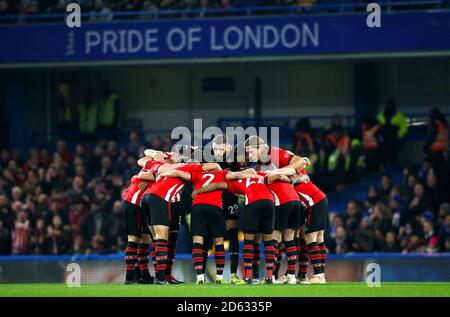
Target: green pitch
(211, 290)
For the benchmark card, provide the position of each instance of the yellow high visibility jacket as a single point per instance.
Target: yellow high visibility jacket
(399, 120)
(107, 111)
(87, 117)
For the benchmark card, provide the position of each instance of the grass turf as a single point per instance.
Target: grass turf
(211, 290)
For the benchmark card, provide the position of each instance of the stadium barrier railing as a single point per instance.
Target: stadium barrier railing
(351, 267)
(331, 7)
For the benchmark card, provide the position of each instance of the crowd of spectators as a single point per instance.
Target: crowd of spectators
(67, 202)
(347, 152)
(413, 216)
(105, 9)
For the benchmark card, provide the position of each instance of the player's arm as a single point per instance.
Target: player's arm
(298, 163)
(147, 176)
(248, 173)
(277, 178)
(287, 171)
(151, 155)
(211, 167)
(142, 161)
(169, 167)
(177, 174)
(210, 188)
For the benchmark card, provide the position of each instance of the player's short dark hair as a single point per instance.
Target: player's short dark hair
(220, 139)
(254, 141)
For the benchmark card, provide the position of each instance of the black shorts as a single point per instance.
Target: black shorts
(287, 216)
(176, 210)
(185, 203)
(259, 217)
(317, 217)
(230, 206)
(207, 220)
(135, 224)
(156, 210)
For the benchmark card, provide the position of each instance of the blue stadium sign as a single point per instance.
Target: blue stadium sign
(292, 35)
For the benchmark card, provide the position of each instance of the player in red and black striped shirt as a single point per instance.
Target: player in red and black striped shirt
(287, 221)
(258, 217)
(312, 198)
(136, 228)
(207, 218)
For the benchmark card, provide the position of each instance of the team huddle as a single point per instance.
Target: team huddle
(282, 207)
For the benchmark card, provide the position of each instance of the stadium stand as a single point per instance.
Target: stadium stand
(65, 199)
(32, 11)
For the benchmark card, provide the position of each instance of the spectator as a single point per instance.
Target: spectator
(364, 237)
(437, 142)
(5, 10)
(432, 245)
(428, 231)
(148, 10)
(304, 143)
(115, 225)
(105, 167)
(393, 129)
(20, 233)
(95, 224)
(410, 239)
(79, 246)
(390, 245)
(58, 240)
(204, 6)
(88, 111)
(435, 192)
(5, 240)
(77, 216)
(372, 197)
(109, 108)
(380, 220)
(353, 217)
(384, 189)
(447, 245)
(27, 9)
(134, 145)
(418, 203)
(370, 133)
(101, 12)
(97, 246)
(340, 243)
(38, 238)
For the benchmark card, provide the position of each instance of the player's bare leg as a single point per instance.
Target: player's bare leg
(323, 253)
(142, 254)
(291, 254)
(197, 259)
(248, 257)
(233, 250)
(314, 255)
(161, 235)
(131, 259)
(219, 259)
